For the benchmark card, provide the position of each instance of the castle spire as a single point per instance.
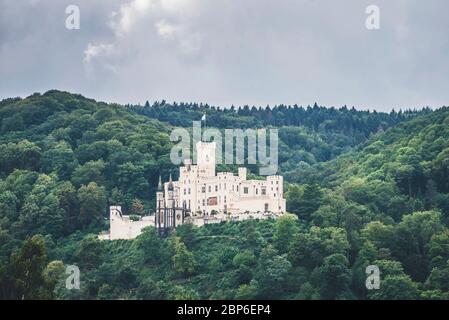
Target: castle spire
(170, 183)
(159, 185)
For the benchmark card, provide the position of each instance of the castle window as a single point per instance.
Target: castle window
(245, 190)
(216, 187)
(257, 191)
(203, 189)
(184, 191)
(225, 186)
(210, 188)
(189, 190)
(264, 191)
(204, 202)
(224, 199)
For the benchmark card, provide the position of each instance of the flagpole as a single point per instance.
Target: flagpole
(204, 116)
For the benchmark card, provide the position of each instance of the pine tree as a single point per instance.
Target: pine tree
(311, 200)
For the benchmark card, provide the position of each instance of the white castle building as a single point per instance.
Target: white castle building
(201, 196)
(205, 192)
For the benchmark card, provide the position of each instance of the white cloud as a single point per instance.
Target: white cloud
(177, 6)
(94, 51)
(166, 30)
(187, 42)
(141, 17)
(129, 14)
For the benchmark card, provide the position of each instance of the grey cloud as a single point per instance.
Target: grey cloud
(224, 52)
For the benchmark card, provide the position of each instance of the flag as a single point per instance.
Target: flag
(203, 118)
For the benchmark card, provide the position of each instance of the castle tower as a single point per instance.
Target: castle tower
(170, 193)
(242, 173)
(116, 221)
(159, 195)
(206, 158)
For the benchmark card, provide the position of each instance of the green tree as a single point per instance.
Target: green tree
(333, 277)
(23, 155)
(41, 211)
(54, 273)
(91, 171)
(293, 196)
(137, 208)
(395, 288)
(9, 205)
(438, 249)
(60, 159)
(414, 233)
(92, 200)
(311, 200)
(68, 201)
(23, 278)
(183, 293)
(90, 253)
(285, 230)
(150, 289)
(271, 274)
(394, 283)
(309, 249)
(183, 260)
(152, 246)
(247, 291)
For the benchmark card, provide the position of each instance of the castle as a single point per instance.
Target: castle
(201, 196)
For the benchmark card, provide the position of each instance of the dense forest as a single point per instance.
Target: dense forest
(363, 188)
(307, 135)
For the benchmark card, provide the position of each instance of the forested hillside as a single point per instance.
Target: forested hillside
(362, 189)
(308, 135)
(65, 158)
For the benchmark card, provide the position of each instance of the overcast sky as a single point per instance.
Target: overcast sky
(225, 52)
